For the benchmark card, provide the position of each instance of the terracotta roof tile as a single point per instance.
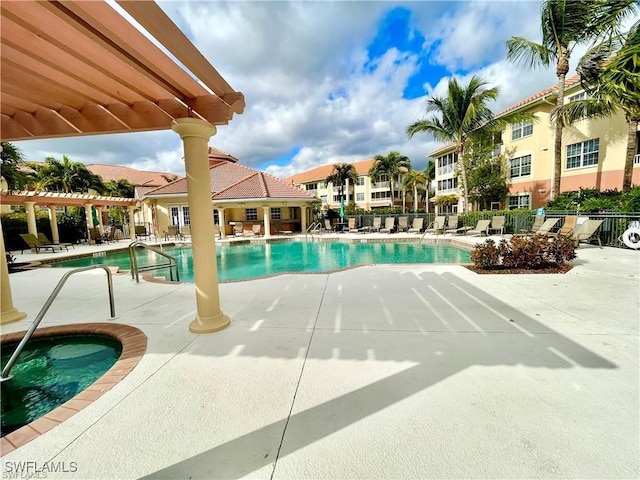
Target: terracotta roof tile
(133, 176)
(322, 172)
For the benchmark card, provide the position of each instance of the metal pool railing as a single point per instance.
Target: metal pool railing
(135, 269)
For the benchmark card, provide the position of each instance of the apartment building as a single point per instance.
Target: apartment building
(593, 153)
(368, 193)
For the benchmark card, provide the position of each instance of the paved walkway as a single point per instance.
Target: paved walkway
(428, 371)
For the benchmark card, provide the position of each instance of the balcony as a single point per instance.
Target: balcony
(447, 169)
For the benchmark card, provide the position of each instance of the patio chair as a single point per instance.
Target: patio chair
(96, 236)
(497, 224)
(351, 226)
(377, 223)
(389, 225)
(481, 227)
(586, 231)
(403, 224)
(45, 241)
(537, 223)
(141, 231)
(256, 229)
(327, 225)
(238, 229)
(416, 227)
(570, 222)
(437, 225)
(452, 226)
(174, 231)
(216, 231)
(546, 227)
(34, 244)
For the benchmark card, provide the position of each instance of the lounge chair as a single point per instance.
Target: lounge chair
(403, 224)
(389, 225)
(174, 231)
(327, 225)
(481, 227)
(238, 229)
(32, 241)
(377, 223)
(537, 223)
(546, 227)
(452, 225)
(437, 225)
(497, 224)
(570, 222)
(586, 231)
(256, 228)
(45, 241)
(416, 227)
(96, 236)
(351, 226)
(141, 231)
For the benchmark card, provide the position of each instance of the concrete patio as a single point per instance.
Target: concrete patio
(417, 371)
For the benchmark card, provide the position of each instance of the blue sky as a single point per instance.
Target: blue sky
(328, 82)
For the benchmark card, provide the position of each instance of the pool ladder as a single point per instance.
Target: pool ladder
(7, 369)
(135, 269)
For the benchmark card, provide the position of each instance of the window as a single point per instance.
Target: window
(521, 129)
(583, 154)
(520, 201)
(578, 96)
(251, 214)
(216, 216)
(311, 186)
(380, 195)
(520, 166)
(336, 198)
(450, 184)
(361, 181)
(175, 218)
(446, 164)
(359, 197)
(276, 213)
(186, 217)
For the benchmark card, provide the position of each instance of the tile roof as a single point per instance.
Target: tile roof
(217, 154)
(133, 176)
(322, 172)
(234, 181)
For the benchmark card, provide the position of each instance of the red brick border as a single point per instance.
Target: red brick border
(134, 345)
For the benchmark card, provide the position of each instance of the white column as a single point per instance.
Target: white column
(132, 223)
(266, 216)
(31, 217)
(346, 202)
(223, 223)
(303, 218)
(8, 313)
(100, 223)
(195, 134)
(53, 221)
(89, 219)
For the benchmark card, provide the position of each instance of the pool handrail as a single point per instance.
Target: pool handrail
(315, 227)
(133, 259)
(7, 369)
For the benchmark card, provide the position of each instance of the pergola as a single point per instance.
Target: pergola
(80, 68)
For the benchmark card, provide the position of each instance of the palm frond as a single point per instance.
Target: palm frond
(529, 54)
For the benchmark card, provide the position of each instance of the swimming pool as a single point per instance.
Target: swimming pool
(249, 261)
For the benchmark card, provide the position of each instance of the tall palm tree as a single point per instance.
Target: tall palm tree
(566, 24)
(609, 76)
(458, 114)
(390, 165)
(414, 180)
(340, 175)
(430, 174)
(65, 176)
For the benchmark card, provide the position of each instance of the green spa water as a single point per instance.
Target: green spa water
(51, 371)
(249, 261)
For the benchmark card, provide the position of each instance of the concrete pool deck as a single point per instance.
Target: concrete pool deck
(417, 371)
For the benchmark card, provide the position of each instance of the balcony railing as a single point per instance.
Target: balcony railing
(380, 185)
(447, 169)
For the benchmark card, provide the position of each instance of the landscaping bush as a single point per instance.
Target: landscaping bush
(529, 253)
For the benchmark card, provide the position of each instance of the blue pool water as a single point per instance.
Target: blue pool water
(51, 371)
(247, 261)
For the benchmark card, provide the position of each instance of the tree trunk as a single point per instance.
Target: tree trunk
(463, 170)
(561, 71)
(426, 197)
(632, 148)
(415, 198)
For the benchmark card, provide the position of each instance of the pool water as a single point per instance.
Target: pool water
(51, 371)
(248, 261)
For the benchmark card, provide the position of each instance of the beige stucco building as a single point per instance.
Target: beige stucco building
(239, 196)
(593, 153)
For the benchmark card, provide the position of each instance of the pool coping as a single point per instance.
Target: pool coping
(134, 345)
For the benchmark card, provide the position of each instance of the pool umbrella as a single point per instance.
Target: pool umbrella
(94, 214)
(341, 209)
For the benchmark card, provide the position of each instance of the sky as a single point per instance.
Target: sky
(328, 82)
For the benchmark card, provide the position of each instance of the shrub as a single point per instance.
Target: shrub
(527, 253)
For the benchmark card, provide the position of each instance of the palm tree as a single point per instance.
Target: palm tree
(340, 175)
(65, 176)
(613, 85)
(566, 24)
(11, 158)
(430, 174)
(413, 180)
(390, 166)
(461, 112)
